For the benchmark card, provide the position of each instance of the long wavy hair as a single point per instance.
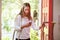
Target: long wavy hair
(22, 11)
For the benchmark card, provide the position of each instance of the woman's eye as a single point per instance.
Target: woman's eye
(27, 9)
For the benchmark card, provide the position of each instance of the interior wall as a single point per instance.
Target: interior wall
(0, 19)
(56, 18)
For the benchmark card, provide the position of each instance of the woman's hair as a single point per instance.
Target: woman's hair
(22, 10)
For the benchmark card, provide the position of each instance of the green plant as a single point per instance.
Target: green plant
(33, 35)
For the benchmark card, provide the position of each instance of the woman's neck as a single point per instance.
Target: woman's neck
(23, 15)
(26, 16)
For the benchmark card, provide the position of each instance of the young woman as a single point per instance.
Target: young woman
(23, 23)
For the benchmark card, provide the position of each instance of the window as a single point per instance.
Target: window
(10, 8)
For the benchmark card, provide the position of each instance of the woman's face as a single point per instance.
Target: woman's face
(26, 10)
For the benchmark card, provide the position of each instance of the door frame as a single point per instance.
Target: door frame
(50, 27)
(50, 20)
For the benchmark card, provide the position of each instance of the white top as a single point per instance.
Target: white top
(25, 33)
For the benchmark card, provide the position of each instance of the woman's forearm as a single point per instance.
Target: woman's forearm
(27, 25)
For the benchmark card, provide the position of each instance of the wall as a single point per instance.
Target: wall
(56, 18)
(0, 19)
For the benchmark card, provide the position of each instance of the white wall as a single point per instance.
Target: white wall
(56, 18)
(0, 19)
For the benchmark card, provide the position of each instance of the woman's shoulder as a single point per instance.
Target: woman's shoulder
(18, 16)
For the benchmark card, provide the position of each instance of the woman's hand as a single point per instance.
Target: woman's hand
(27, 25)
(43, 25)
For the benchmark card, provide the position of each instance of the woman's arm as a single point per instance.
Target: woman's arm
(19, 26)
(43, 25)
(27, 25)
(17, 23)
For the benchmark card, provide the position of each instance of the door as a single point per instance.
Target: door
(47, 17)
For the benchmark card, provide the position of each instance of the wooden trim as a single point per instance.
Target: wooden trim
(42, 33)
(50, 20)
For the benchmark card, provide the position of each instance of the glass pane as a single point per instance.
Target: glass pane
(10, 8)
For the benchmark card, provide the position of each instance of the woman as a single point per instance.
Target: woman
(23, 23)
